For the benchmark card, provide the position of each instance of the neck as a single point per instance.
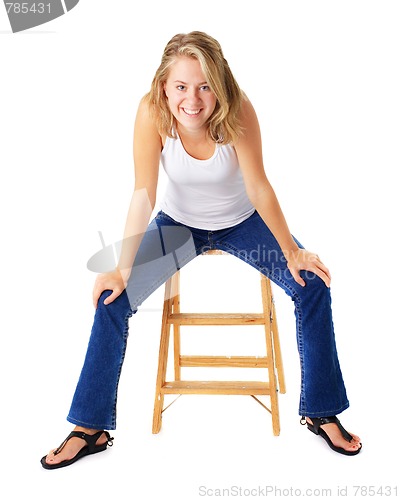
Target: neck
(193, 135)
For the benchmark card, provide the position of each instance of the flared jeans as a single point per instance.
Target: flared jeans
(166, 247)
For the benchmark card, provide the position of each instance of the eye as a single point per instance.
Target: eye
(205, 88)
(180, 87)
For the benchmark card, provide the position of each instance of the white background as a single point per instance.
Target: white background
(324, 77)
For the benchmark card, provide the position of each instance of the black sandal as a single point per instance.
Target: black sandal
(89, 449)
(315, 427)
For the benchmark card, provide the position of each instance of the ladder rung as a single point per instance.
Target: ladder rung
(215, 387)
(223, 361)
(216, 319)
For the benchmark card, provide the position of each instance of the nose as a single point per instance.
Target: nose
(193, 95)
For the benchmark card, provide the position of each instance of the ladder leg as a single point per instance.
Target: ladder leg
(176, 326)
(163, 354)
(276, 343)
(266, 299)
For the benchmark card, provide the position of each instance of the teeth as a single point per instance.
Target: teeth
(191, 111)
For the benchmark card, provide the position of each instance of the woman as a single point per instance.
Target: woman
(204, 130)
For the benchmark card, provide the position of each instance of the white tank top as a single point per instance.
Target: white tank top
(206, 194)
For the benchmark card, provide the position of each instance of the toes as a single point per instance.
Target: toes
(50, 456)
(355, 445)
(355, 439)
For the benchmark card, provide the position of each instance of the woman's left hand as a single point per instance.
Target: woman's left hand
(302, 260)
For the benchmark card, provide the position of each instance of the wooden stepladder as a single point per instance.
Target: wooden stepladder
(272, 361)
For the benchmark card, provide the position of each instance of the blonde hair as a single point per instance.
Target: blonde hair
(223, 125)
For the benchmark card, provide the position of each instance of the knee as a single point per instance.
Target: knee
(119, 306)
(103, 296)
(314, 285)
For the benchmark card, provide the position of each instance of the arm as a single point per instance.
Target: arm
(147, 149)
(262, 196)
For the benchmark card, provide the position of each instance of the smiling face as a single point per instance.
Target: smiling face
(189, 96)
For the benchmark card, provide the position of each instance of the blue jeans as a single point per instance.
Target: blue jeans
(166, 247)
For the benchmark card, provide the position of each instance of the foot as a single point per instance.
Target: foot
(337, 438)
(73, 446)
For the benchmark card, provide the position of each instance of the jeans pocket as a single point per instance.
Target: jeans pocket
(161, 216)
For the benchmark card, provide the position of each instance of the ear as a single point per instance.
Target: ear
(164, 88)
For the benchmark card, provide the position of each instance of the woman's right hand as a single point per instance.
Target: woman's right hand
(108, 281)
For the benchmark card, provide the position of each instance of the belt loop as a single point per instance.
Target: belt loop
(210, 240)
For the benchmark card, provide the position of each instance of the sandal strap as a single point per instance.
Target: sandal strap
(89, 438)
(332, 420)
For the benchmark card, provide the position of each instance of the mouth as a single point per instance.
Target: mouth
(191, 112)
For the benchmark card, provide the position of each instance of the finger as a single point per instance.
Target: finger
(321, 266)
(295, 274)
(322, 275)
(95, 297)
(317, 267)
(97, 291)
(116, 292)
(324, 269)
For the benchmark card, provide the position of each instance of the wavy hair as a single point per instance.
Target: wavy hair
(223, 125)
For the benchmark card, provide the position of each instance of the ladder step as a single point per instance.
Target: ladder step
(216, 319)
(215, 387)
(224, 361)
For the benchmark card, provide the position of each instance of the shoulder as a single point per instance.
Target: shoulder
(250, 136)
(145, 121)
(249, 149)
(247, 114)
(145, 112)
